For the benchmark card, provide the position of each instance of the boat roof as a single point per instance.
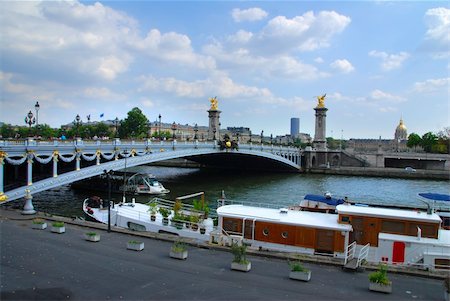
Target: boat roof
(324, 199)
(443, 238)
(436, 196)
(389, 213)
(293, 217)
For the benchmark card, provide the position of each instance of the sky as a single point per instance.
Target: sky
(265, 61)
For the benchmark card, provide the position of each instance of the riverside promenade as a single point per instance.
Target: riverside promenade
(41, 265)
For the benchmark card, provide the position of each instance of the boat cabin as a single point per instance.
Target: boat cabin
(369, 222)
(284, 229)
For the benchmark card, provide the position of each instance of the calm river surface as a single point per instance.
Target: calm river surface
(278, 188)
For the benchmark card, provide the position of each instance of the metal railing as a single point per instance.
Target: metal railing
(350, 252)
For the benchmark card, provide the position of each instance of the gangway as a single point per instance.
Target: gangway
(350, 261)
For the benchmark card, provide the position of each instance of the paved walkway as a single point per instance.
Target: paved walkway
(41, 265)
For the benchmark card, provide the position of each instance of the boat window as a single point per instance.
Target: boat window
(284, 234)
(427, 230)
(393, 227)
(136, 227)
(345, 219)
(266, 232)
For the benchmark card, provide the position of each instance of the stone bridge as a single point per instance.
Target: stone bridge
(116, 155)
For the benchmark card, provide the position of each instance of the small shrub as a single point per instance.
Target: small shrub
(179, 246)
(38, 221)
(153, 208)
(297, 266)
(58, 224)
(91, 233)
(239, 253)
(380, 276)
(164, 212)
(134, 242)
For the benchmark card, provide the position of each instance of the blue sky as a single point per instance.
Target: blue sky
(265, 61)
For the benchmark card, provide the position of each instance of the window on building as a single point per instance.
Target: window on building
(345, 219)
(266, 232)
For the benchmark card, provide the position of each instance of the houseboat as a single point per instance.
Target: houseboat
(394, 236)
(158, 216)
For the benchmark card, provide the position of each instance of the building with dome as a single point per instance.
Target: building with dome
(401, 132)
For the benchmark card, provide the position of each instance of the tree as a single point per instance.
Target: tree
(413, 140)
(428, 141)
(135, 125)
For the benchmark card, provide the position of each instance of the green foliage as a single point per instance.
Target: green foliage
(134, 242)
(194, 218)
(297, 266)
(135, 125)
(91, 233)
(201, 206)
(164, 212)
(414, 140)
(240, 253)
(428, 141)
(58, 224)
(380, 276)
(153, 208)
(177, 206)
(179, 246)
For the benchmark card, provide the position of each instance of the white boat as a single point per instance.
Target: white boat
(137, 216)
(143, 183)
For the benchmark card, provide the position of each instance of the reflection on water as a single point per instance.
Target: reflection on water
(258, 187)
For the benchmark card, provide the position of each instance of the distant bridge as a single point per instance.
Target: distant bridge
(117, 155)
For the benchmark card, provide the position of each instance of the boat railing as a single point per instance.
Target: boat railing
(350, 252)
(278, 205)
(363, 254)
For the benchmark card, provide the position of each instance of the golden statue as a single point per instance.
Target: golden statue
(321, 100)
(214, 103)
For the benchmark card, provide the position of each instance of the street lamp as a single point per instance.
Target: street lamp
(37, 107)
(237, 134)
(271, 138)
(77, 122)
(116, 124)
(250, 139)
(195, 131)
(174, 128)
(159, 130)
(108, 176)
(262, 134)
(30, 120)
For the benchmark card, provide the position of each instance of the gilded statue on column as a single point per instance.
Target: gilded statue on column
(214, 103)
(321, 101)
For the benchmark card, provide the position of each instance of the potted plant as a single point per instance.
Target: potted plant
(153, 210)
(165, 214)
(177, 221)
(194, 219)
(39, 224)
(379, 282)
(299, 272)
(92, 236)
(58, 227)
(201, 207)
(240, 262)
(178, 250)
(135, 245)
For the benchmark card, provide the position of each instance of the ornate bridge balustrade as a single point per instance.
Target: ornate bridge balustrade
(118, 155)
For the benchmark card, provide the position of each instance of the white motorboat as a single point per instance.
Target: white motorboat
(143, 183)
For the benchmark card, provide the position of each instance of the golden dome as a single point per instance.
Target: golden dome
(401, 131)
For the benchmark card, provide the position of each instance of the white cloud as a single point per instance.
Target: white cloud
(437, 35)
(390, 61)
(343, 66)
(251, 14)
(319, 60)
(380, 95)
(432, 85)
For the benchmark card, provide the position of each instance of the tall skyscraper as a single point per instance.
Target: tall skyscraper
(295, 127)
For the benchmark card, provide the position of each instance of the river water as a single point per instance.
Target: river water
(268, 188)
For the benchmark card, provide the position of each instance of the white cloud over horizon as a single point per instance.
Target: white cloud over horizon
(390, 61)
(250, 14)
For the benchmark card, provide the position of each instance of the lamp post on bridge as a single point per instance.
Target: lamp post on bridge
(37, 107)
(30, 120)
(195, 131)
(116, 124)
(262, 134)
(77, 122)
(159, 130)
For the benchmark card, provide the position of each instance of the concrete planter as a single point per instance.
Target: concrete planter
(302, 276)
(58, 230)
(40, 226)
(92, 237)
(179, 254)
(377, 287)
(243, 267)
(135, 246)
